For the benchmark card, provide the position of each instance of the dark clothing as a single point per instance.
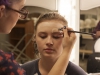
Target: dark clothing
(8, 66)
(32, 68)
(97, 28)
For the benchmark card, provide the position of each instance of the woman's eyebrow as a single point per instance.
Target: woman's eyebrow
(55, 32)
(42, 32)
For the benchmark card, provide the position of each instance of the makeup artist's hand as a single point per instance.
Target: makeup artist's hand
(69, 39)
(97, 34)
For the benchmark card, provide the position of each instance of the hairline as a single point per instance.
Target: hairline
(35, 30)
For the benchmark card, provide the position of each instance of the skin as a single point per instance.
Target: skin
(51, 47)
(9, 18)
(45, 38)
(97, 34)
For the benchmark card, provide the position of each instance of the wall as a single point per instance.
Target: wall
(49, 4)
(89, 4)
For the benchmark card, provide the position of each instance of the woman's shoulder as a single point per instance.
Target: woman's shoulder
(30, 67)
(30, 63)
(74, 69)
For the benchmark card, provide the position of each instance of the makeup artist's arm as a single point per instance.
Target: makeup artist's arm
(63, 60)
(97, 34)
(96, 31)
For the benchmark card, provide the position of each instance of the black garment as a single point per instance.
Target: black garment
(32, 68)
(93, 63)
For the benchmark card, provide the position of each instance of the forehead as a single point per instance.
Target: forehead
(49, 26)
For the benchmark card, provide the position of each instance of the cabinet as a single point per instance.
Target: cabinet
(22, 28)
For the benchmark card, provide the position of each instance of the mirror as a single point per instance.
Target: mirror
(88, 21)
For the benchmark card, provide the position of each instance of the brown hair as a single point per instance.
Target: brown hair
(50, 16)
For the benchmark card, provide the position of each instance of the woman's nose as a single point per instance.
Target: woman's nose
(49, 41)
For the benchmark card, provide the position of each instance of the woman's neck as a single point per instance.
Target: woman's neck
(45, 65)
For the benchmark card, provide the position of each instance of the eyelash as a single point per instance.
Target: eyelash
(56, 37)
(43, 37)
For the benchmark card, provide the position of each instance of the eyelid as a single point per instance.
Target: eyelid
(56, 37)
(59, 33)
(42, 34)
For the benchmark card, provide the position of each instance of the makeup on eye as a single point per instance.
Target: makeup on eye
(43, 36)
(57, 33)
(58, 36)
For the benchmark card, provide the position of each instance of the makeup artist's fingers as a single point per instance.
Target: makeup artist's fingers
(65, 32)
(69, 34)
(72, 35)
(69, 38)
(66, 39)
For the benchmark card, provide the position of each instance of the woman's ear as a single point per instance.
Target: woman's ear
(2, 8)
(33, 39)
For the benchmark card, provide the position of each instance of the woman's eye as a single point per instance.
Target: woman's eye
(56, 37)
(43, 37)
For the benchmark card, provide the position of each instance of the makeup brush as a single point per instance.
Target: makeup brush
(61, 29)
(82, 32)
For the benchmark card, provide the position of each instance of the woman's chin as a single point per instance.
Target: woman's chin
(5, 32)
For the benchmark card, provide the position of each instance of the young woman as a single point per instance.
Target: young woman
(54, 44)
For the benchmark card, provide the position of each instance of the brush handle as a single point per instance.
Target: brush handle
(82, 32)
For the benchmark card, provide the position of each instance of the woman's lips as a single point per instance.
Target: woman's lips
(49, 50)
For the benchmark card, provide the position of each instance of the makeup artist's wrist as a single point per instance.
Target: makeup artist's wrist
(67, 50)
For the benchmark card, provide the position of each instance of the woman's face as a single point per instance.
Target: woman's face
(10, 17)
(48, 41)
